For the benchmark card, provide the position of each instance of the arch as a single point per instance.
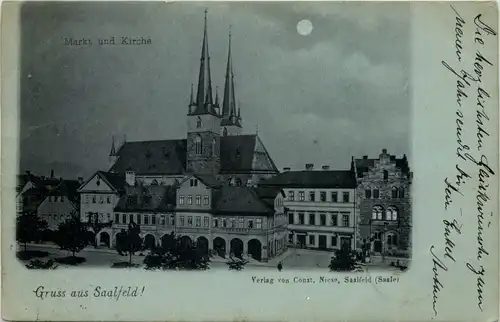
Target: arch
(255, 249)
(219, 245)
(104, 239)
(394, 192)
(167, 241)
(224, 132)
(392, 239)
(186, 241)
(91, 237)
(149, 241)
(386, 175)
(377, 211)
(197, 144)
(391, 213)
(237, 247)
(202, 244)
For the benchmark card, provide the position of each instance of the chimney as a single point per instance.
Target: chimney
(325, 167)
(52, 173)
(80, 180)
(285, 169)
(309, 166)
(28, 173)
(365, 157)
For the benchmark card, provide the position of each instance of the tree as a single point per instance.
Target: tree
(71, 235)
(237, 264)
(29, 228)
(344, 260)
(129, 241)
(95, 226)
(176, 254)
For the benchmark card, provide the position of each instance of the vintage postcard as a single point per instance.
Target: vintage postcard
(250, 161)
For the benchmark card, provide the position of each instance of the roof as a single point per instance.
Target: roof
(169, 156)
(116, 180)
(147, 198)
(268, 194)
(313, 179)
(209, 180)
(364, 164)
(69, 189)
(240, 200)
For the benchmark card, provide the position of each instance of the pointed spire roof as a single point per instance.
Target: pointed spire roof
(216, 96)
(229, 115)
(204, 102)
(191, 99)
(113, 149)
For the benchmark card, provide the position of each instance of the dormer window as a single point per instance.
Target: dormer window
(198, 123)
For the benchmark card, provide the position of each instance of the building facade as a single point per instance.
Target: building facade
(384, 196)
(60, 203)
(321, 207)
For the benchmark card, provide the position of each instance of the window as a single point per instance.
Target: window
(205, 222)
(93, 199)
(146, 219)
(86, 198)
(335, 220)
(130, 218)
(124, 218)
(181, 200)
(198, 221)
(198, 200)
(101, 199)
(153, 219)
(368, 193)
(291, 195)
(215, 222)
(172, 220)
(205, 200)
(108, 199)
(197, 144)
(322, 196)
(377, 213)
(401, 192)
(345, 220)
(290, 218)
(345, 196)
(190, 200)
(193, 183)
(312, 196)
(301, 219)
(117, 218)
(386, 175)
(322, 219)
(241, 223)
(376, 194)
(139, 219)
(190, 221)
(163, 221)
(224, 222)
(233, 223)
(311, 239)
(198, 123)
(312, 219)
(394, 192)
(301, 196)
(109, 217)
(391, 213)
(334, 241)
(181, 221)
(335, 196)
(250, 223)
(224, 132)
(389, 239)
(258, 223)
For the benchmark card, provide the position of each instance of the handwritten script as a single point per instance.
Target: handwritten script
(472, 172)
(116, 292)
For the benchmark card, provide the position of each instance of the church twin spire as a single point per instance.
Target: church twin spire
(203, 103)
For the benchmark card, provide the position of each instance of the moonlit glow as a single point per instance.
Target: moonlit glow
(304, 27)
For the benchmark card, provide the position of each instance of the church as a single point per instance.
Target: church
(203, 187)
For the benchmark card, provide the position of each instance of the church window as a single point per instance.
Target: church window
(376, 193)
(198, 123)
(197, 144)
(394, 192)
(224, 132)
(391, 213)
(377, 213)
(401, 192)
(386, 175)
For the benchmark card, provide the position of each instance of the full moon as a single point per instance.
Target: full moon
(304, 27)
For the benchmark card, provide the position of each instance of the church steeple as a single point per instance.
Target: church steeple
(204, 97)
(112, 153)
(230, 119)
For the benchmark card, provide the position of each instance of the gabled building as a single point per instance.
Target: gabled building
(32, 190)
(384, 196)
(61, 203)
(321, 207)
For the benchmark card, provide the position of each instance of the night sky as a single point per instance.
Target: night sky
(321, 98)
